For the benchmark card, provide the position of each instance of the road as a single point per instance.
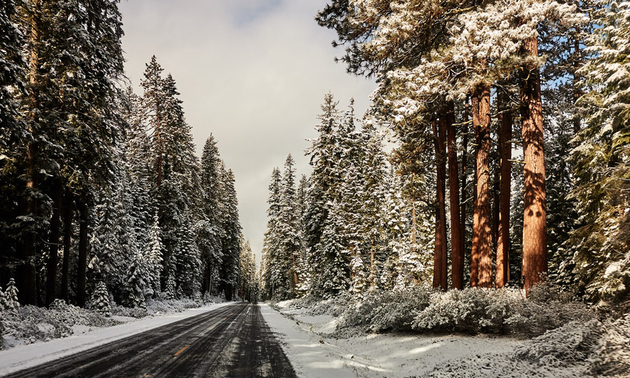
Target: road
(231, 341)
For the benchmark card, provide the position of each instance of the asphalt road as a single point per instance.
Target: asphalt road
(231, 341)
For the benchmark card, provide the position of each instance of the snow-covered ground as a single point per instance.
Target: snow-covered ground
(315, 351)
(25, 356)
(309, 344)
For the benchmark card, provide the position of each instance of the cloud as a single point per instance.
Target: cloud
(252, 72)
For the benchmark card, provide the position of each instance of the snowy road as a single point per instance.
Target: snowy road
(231, 341)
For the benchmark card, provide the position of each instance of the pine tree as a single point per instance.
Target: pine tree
(601, 257)
(248, 285)
(275, 286)
(99, 301)
(11, 301)
(289, 227)
(231, 241)
(175, 178)
(209, 231)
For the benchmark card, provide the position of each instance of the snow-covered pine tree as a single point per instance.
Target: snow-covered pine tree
(373, 200)
(175, 177)
(231, 233)
(274, 264)
(208, 230)
(153, 255)
(601, 257)
(13, 131)
(324, 245)
(248, 285)
(288, 227)
(11, 300)
(99, 300)
(304, 277)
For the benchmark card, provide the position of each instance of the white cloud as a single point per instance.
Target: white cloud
(252, 72)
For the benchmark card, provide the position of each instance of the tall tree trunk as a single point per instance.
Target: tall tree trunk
(440, 258)
(535, 212)
(53, 243)
(82, 263)
(457, 253)
(464, 195)
(482, 232)
(505, 154)
(68, 213)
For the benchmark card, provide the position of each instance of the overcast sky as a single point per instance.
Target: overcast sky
(251, 72)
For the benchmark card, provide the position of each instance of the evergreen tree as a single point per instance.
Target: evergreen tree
(272, 259)
(175, 181)
(209, 231)
(601, 252)
(248, 285)
(231, 241)
(11, 301)
(100, 299)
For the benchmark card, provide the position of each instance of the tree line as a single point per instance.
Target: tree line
(516, 110)
(101, 187)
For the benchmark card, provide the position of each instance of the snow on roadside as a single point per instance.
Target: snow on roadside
(309, 344)
(25, 356)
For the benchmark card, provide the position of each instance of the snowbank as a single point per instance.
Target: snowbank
(315, 351)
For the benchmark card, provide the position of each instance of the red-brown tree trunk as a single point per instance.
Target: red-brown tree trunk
(464, 195)
(535, 212)
(482, 231)
(457, 253)
(440, 257)
(505, 167)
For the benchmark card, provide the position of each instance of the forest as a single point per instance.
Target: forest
(494, 154)
(486, 189)
(103, 196)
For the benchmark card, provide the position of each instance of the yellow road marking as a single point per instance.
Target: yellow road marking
(181, 350)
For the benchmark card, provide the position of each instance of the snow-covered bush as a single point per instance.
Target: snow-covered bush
(29, 324)
(471, 310)
(546, 308)
(334, 306)
(611, 356)
(564, 346)
(381, 311)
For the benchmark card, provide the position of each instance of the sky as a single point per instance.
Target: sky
(253, 73)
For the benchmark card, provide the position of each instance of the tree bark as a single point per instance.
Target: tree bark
(440, 258)
(82, 263)
(68, 213)
(481, 266)
(505, 154)
(53, 243)
(457, 253)
(464, 195)
(535, 213)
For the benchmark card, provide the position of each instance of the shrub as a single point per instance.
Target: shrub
(471, 310)
(611, 355)
(546, 308)
(381, 311)
(564, 346)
